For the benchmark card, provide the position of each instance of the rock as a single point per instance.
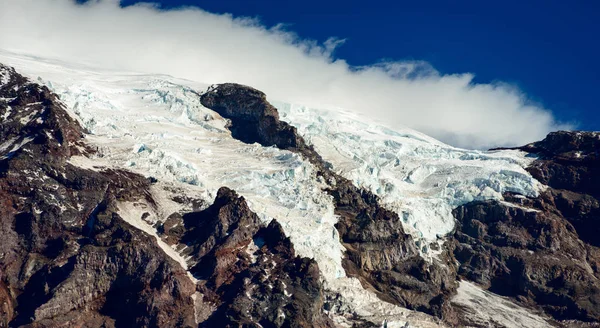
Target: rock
(68, 257)
(273, 288)
(542, 251)
(249, 272)
(252, 118)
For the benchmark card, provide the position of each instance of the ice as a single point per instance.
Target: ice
(138, 148)
(416, 176)
(156, 126)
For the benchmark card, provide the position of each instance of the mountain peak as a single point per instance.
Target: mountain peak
(220, 208)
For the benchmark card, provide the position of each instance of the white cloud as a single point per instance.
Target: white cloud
(197, 45)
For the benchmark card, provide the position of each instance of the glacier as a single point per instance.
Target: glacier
(155, 125)
(418, 177)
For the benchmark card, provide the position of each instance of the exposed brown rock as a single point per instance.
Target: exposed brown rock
(570, 163)
(546, 258)
(249, 272)
(542, 251)
(67, 258)
(252, 118)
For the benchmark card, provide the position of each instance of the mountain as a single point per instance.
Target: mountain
(146, 200)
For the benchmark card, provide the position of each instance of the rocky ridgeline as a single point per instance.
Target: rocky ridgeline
(64, 247)
(67, 258)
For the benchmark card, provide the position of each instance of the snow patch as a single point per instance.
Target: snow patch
(4, 75)
(26, 119)
(132, 213)
(85, 163)
(488, 309)
(526, 209)
(251, 249)
(6, 144)
(15, 146)
(365, 304)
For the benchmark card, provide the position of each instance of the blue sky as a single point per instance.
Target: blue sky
(549, 49)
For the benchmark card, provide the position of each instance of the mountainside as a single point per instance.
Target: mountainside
(141, 200)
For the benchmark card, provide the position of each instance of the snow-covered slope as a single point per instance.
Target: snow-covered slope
(417, 176)
(156, 126)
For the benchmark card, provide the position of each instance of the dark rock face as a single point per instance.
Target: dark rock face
(568, 160)
(384, 258)
(252, 118)
(31, 115)
(67, 258)
(536, 256)
(542, 251)
(378, 251)
(250, 273)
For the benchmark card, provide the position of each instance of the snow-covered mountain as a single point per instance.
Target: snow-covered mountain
(410, 188)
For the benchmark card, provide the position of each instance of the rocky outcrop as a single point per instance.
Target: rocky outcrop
(378, 251)
(31, 114)
(248, 273)
(541, 251)
(252, 118)
(68, 257)
(384, 258)
(569, 161)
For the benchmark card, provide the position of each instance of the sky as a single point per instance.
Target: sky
(474, 74)
(548, 48)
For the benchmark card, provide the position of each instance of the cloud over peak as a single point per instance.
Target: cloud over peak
(194, 44)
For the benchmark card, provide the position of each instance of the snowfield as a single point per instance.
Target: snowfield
(155, 125)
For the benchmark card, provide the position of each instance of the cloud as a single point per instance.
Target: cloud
(197, 45)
